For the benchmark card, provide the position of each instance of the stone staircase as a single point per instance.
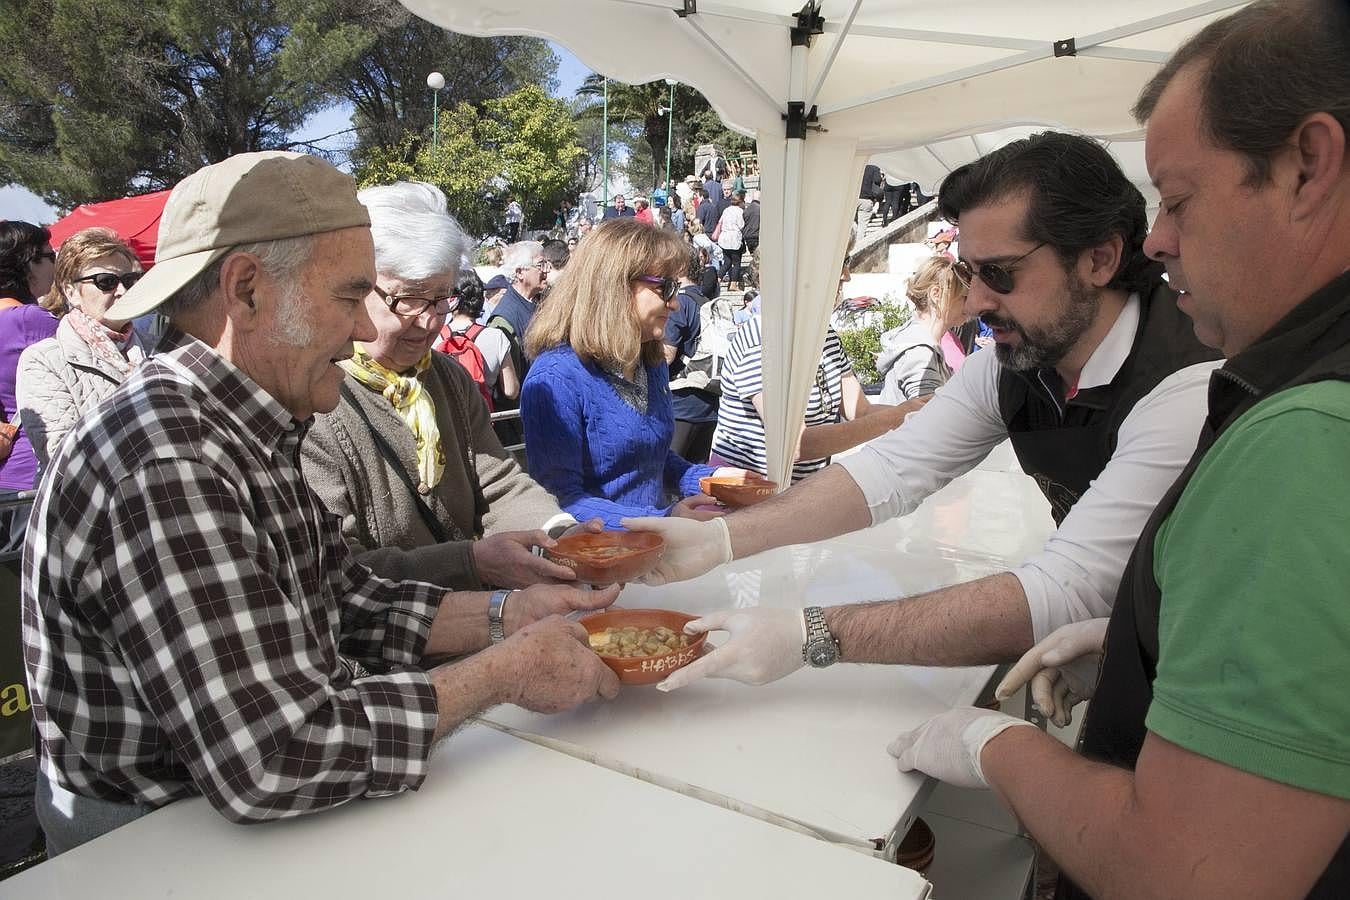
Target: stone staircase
(870, 249)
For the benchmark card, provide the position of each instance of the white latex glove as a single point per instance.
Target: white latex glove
(948, 746)
(766, 644)
(1062, 669)
(692, 547)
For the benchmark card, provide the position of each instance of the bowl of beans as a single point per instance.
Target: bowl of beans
(643, 646)
(609, 557)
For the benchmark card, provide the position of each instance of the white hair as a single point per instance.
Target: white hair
(520, 255)
(416, 238)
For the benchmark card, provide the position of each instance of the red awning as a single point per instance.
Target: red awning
(135, 219)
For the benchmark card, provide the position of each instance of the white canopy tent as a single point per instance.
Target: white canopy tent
(827, 87)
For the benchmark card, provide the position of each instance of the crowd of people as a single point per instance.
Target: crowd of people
(275, 558)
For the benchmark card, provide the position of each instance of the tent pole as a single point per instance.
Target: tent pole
(778, 459)
(834, 52)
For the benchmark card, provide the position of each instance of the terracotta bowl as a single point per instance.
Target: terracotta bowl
(917, 848)
(738, 491)
(646, 669)
(610, 556)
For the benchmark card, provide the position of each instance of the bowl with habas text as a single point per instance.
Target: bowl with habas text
(738, 490)
(609, 557)
(643, 646)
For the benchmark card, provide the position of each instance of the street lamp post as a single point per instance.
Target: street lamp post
(604, 151)
(435, 81)
(670, 134)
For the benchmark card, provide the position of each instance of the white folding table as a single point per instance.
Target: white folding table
(496, 817)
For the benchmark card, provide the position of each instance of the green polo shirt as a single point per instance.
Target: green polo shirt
(1254, 566)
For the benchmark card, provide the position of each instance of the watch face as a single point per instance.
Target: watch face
(822, 654)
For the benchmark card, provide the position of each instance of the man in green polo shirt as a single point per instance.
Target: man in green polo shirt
(1216, 753)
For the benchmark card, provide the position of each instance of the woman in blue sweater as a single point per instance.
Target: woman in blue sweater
(596, 403)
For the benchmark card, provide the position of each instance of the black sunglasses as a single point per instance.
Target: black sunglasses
(47, 255)
(999, 277)
(669, 286)
(107, 282)
(408, 306)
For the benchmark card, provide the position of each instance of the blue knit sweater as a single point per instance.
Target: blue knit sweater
(599, 456)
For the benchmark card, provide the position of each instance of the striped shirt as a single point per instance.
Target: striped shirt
(739, 438)
(193, 622)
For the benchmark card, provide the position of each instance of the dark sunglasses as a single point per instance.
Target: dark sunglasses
(669, 286)
(998, 276)
(107, 282)
(49, 255)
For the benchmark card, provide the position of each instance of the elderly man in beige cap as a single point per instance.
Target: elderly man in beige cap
(193, 622)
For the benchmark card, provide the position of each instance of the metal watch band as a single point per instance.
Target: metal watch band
(496, 628)
(816, 629)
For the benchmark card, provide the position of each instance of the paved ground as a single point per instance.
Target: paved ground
(20, 838)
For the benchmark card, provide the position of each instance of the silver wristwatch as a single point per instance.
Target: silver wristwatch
(820, 649)
(497, 628)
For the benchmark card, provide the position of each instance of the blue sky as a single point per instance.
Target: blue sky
(19, 203)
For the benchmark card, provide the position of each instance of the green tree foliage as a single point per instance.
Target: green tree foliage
(386, 84)
(637, 124)
(860, 334)
(523, 144)
(100, 98)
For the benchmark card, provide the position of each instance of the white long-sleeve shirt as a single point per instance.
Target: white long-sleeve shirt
(1076, 575)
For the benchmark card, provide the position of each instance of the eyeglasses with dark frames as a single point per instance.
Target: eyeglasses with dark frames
(668, 287)
(107, 282)
(408, 306)
(998, 276)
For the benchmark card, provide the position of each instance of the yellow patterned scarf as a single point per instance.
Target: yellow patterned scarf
(413, 404)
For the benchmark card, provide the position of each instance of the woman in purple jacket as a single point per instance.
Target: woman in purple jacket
(27, 263)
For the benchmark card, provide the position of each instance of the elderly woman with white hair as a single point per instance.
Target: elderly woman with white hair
(408, 459)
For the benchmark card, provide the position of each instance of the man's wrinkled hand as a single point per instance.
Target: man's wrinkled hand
(692, 548)
(765, 644)
(552, 668)
(1062, 669)
(948, 746)
(699, 507)
(543, 600)
(507, 560)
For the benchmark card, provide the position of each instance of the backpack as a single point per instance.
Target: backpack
(703, 370)
(460, 347)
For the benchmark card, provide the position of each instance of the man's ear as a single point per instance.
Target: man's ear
(1320, 156)
(1103, 260)
(239, 279)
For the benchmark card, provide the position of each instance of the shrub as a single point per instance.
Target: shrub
(860, 333)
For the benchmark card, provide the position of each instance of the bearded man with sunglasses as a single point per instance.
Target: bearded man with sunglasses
(1097, 379)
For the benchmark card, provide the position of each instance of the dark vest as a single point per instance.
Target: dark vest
(1310, 344)
(1065, 445)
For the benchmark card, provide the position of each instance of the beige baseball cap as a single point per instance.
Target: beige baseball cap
(246, 199)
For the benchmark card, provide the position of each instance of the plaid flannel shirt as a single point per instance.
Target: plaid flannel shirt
(193, 622)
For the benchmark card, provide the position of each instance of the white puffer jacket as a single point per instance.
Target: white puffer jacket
(58, 381)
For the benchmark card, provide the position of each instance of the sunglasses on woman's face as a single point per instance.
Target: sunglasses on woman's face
(107, 282)
(999, 277)
(668, 287)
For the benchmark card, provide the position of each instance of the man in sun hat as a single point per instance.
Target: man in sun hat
(193, 622)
